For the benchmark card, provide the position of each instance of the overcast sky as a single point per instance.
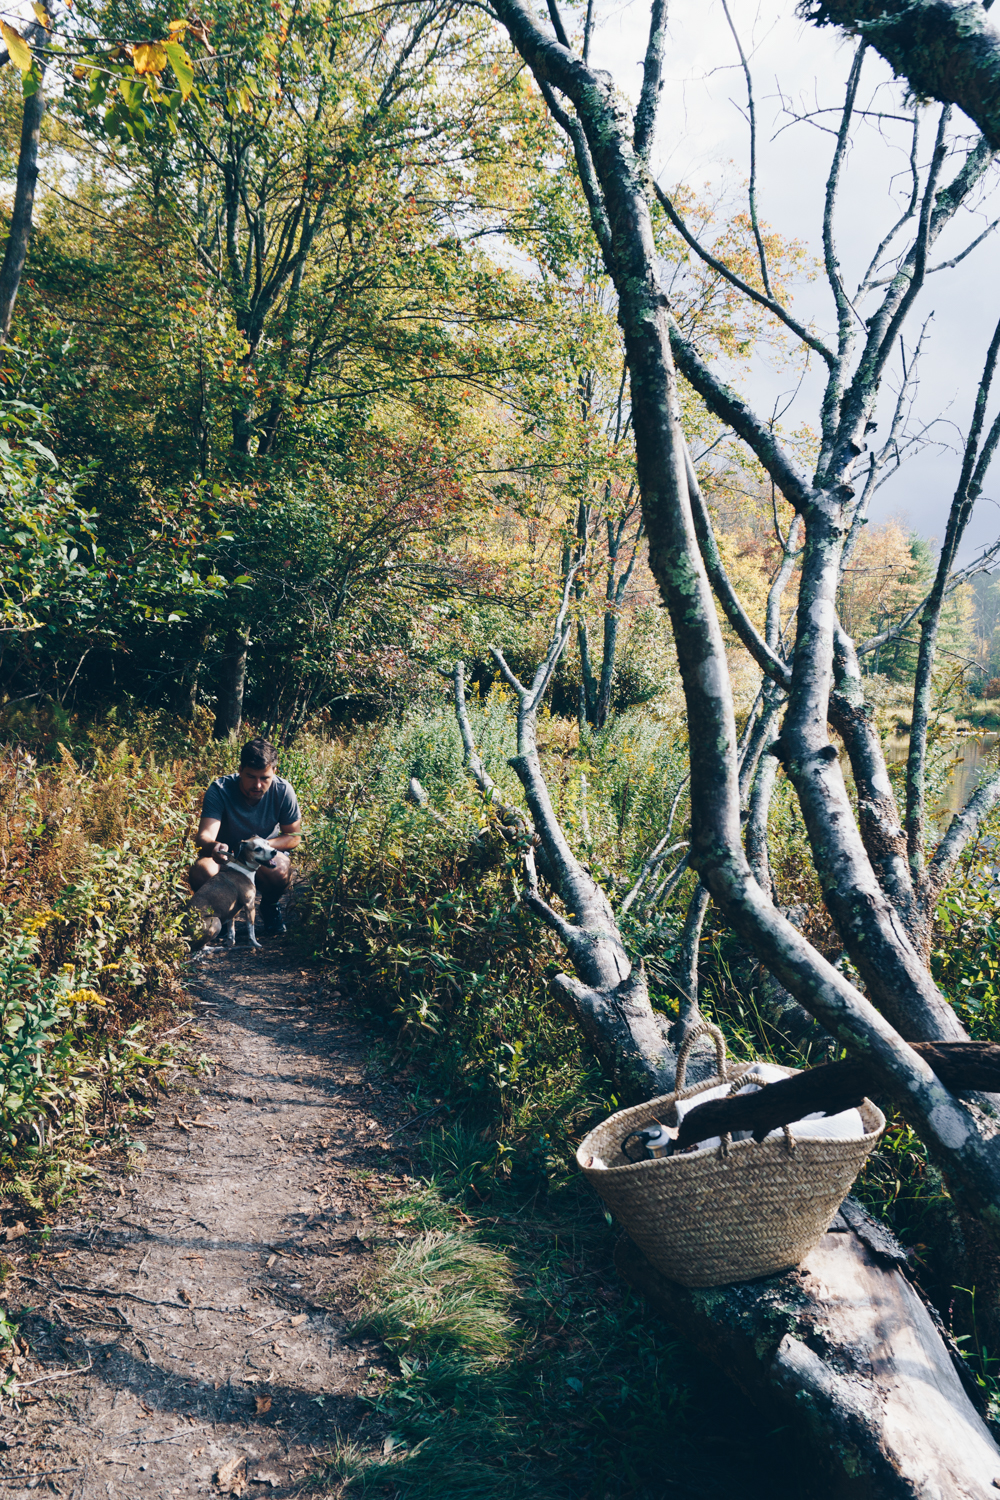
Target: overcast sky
(704, 140)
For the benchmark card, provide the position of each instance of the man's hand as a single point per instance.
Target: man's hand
(218, 851)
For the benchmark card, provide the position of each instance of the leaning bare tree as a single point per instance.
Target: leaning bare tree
(879, 881)
(879, 874)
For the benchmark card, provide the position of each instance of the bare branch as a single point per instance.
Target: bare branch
(688, 1014)
(729, 406)
(588, 30)
(947, 265)
(759, 649)
(471, 760)
(879, 821)
(755, 225)
(889, 448)
(884, 326)
(975, 464)
(557, 24)
(982, 565)
(652, 80)
(669, 883)
(845, 310)
(866, 282)
(764, 299)
(756, 837)
(572, 127)
(416, 794)
(659, 854)
(963, 826)
(772, 628)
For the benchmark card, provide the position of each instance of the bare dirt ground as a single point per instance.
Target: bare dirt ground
(187, 1323)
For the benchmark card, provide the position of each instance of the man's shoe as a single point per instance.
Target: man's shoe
(272, 920)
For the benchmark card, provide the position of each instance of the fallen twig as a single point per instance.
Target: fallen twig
(408, 1124)
(25, 1385)
(181, 1027)
(38, 1474)
(99, 1291)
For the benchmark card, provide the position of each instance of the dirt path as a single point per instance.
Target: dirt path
(187, 1316)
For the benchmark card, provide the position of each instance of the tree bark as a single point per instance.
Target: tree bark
(945, 49)
(19, 234)
(232, 681)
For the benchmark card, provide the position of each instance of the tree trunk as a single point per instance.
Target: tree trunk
(19, 235)
(843, 1352)
(189, 701)
(232, 681)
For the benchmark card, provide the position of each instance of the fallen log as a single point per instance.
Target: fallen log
(832, 1087)
(843, 1350)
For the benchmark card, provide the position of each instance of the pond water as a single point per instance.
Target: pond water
(970, 754)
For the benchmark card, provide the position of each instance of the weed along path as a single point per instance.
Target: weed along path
(179, 1330)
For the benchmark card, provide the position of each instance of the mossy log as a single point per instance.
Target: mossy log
(844, 1353)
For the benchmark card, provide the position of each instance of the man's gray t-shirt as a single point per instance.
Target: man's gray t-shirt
(239, 820)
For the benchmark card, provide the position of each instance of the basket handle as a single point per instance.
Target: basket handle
(701, 1029)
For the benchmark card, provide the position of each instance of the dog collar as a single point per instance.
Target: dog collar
(234, 864)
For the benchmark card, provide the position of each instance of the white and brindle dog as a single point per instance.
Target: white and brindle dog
(221, 900)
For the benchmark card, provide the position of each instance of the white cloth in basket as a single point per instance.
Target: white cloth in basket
(847, 1126)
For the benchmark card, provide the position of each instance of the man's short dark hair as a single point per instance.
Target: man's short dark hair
(258, 755)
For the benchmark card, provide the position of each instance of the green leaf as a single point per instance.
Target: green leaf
(132, 90)
(183, 68)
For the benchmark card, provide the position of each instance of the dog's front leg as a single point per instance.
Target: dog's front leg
(229, 939)
(251, 929)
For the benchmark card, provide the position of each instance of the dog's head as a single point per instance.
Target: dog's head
(255, 852)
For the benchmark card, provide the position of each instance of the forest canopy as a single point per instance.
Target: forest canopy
(316, 375)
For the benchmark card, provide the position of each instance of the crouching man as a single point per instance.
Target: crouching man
(254, 800)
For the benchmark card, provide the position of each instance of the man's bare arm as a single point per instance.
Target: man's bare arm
(290, 838)
(207, 837)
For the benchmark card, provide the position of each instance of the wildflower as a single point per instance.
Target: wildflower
(33, 925)
(84, 998)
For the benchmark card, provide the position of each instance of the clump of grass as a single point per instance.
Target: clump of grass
(441, 1293)
(422, 1474)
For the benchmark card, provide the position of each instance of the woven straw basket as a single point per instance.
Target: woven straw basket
(726, 1213)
